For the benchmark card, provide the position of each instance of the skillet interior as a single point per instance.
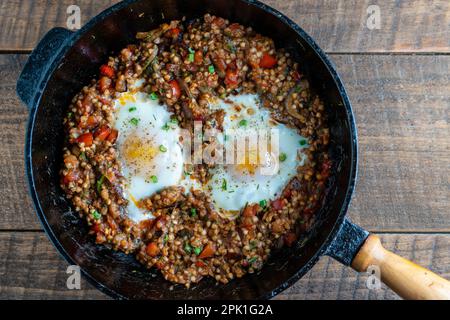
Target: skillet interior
(118, 274)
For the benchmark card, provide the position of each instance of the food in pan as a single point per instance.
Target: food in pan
(147, 155)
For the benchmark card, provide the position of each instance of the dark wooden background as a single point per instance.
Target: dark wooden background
(398, 79)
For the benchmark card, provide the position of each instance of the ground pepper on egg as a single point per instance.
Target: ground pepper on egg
(185, 65)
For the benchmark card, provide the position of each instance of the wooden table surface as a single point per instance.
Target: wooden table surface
(398, 79)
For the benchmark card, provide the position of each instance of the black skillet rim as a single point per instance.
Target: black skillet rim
(301, 33)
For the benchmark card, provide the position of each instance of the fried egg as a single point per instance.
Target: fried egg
(256, 173)
(149, 149)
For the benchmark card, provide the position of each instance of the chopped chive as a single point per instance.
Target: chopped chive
(303, 142)
(224, 184)
(193, 212)
(135, 121)
(162, 148)
(166, 127)
(211, 69)
(252, 260)
(100, 183)
(282, 157)
(166, 238)
(95, 214)
(263, 203)
(191, 50)
(154, 179)
(191, 57)
(243, 123)
(197, 250)
(153, 96)
(83, 156)
(132, 109)
(187, 248)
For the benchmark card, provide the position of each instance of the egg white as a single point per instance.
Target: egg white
(232, 186)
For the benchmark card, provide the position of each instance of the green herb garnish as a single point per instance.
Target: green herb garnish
(166, 238)
(282, 157)
(263, 203)
(252, 260)
(166, 127)
(224, 185)
(187, 248)
(191, 57)
(303, 142)
(174, 121)
(69, 115)
(243, 123)
(162, 148)
(132, 109)
(193, 212)
(154, 179)
(211, 69)
(135, 121)
(153, 96)
(83, 156)
(100, 183)
(197, 250)
(95, 214)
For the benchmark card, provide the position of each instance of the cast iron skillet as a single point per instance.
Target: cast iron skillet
(64, 62)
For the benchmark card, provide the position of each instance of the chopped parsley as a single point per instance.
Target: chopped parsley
(154, 179)
(263, 203)
(303, 142)
(95, 214)
(174, 121)
(166, 127)
(243, 123)
(83, 156)
(252, 260)
(132, 109)
(211, 69)
(187, 248)
(153, 96)
(166, 238)
(135, 121)
(197, 250)
(100, 183)
(193, 212)
(162, 148)
(224, 185)
(191, 57)
(191, 50)
(282, 157)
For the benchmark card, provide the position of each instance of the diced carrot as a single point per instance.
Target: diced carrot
(103, 132)
(250, 210)
(231, 78)
(175, 87)
(107, 71)
(208, 251)
(277, 204)
(112, 137)
(71, 176)
(198, 57)
(152, 249)
(267, 61)
(200, 264)
(86, 138)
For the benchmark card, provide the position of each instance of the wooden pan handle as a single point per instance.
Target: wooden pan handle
(406, 278)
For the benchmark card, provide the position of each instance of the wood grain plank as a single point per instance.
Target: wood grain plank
(402, 106)
(338, 26)
(30, 268)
